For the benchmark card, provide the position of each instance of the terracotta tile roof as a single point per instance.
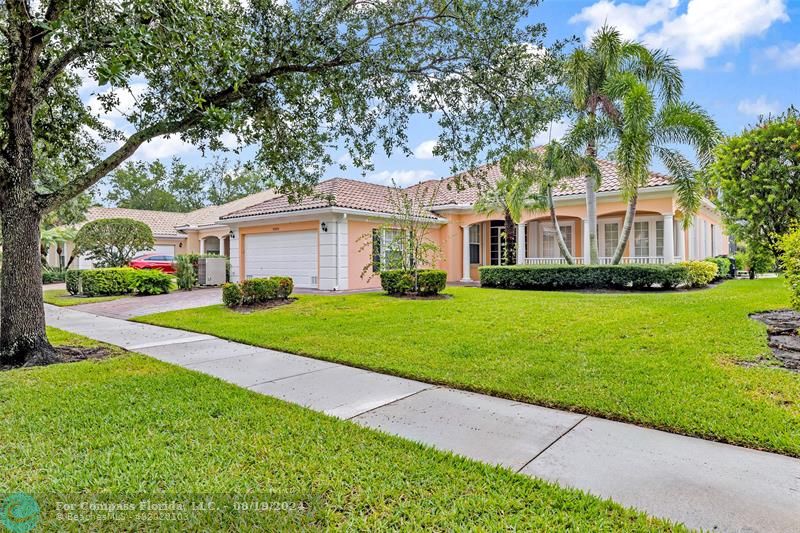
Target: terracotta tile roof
(353, 194)
(162, 223)
(337, 192)
(211, 214)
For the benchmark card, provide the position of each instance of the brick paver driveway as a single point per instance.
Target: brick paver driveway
(145, 305)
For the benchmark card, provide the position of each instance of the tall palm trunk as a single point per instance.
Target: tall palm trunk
(510, 250)
(591, 205)
(559, 237)
(627, 225)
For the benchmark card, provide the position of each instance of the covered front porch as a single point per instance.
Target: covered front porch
(656, 238)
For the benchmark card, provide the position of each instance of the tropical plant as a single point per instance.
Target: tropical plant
(646, 133)
(588, 74)
(511, 195)
(55, 237)
(757, 174)
(292, 77)
(113, 242)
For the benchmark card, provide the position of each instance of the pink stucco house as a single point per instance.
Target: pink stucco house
(320, 243)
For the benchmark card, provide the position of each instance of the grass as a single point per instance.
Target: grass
(130, 428)
(664, 360)
(62, 298)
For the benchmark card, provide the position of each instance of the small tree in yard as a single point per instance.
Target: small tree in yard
(300, 80)
(113, 242)
(757, 174)
(404, 241)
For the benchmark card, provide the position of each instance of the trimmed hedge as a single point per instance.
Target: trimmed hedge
(546, 277)
(117, 281)
(790, 257)
(257, 290)
(724, 270)
(700, 273)
(53, 276)
(400, 282)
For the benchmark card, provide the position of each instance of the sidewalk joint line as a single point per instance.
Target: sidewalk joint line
(172, 342)
(523, 467)
(392, 402)
(290, 377)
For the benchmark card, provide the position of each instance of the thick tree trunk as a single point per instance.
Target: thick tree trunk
(627, 224)
(510, 249)
(591, 210)
(23, 338)
(559, 237)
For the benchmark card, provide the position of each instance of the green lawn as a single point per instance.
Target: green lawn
(665, 360)
(131, 428)
(62, 298)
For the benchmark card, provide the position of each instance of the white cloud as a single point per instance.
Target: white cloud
(759, 106)
(783, 58)
(401, 178)
(703, 31)
(425, 150)
(162, 147)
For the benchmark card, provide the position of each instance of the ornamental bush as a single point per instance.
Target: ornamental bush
(185, 272)
(700, 273)
(56, 275)
(257, 290)
(106, 281)
(549, 277)
(431, 281)
(723, 267)
(149, 282)
(232, 295)
(397, 282)
(73, 280)
(113, 242)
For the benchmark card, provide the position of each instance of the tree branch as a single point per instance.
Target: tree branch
(57, 67)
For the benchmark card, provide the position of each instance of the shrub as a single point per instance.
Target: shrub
(700, 273)
(73, 279)
(723, 267)
(149, 282)
(257, 290)
(185, 272)
(113, 242)
(397, 282)
(547, 277)
(285, 286)
(232, 295)
(790, 257)
(53, 275)
(431, 281)
(106, 281)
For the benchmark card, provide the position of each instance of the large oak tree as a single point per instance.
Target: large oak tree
(298, 78)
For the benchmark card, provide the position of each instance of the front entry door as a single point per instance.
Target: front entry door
(497, 245)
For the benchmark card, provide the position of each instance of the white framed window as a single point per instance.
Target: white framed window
(660, 238)
(641, 238)
(610, 237)
(475, 244)
(549, 239)
(387, 249)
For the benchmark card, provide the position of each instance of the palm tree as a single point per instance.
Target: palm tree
(588, 72)
(646, 133)
(511, 195)
(554, 164)
(55, 236)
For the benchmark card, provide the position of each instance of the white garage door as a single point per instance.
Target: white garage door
(293, 254)
(165, 249)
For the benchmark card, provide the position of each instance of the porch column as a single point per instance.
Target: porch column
(465, 254)
(587, 253)
(692, 239)
(669, 238)
(682, 243)
(522, 238)
(202, 246)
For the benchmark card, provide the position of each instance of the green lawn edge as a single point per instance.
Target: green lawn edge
(131, 425)
(673, 363)
(62, 298)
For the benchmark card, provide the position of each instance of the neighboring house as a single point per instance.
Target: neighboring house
(320, 241)
(174, 233)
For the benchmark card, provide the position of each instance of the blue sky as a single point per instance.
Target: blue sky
(740, 59)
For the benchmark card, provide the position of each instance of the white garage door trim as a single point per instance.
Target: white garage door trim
(290, 253)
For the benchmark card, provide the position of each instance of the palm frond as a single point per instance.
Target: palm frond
(688, 123)
(689, 183)
(655, 67)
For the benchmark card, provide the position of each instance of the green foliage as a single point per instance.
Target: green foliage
(185, 272)
(154, 186)
(758, 176)
(113, 242)
(53, 275)
(700, 273)
(790, 258)
(431, 282)
(549, 277)
(232, 294)
(397, 282)
(149, 282)
(255, 291)
(723, 267)
(107, 281)
(754, 259)
(73, 281)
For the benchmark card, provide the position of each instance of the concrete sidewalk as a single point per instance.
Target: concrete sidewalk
(700, 483)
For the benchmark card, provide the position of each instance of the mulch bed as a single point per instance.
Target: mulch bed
(782, 334)
(73, 354)
(247, 309)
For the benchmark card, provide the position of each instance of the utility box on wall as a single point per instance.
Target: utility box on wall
(211, 271)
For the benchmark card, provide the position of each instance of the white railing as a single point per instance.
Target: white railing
(603, 260)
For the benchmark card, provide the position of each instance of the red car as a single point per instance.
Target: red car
(164, 263)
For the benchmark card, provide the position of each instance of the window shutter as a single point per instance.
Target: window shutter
(376, 250)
